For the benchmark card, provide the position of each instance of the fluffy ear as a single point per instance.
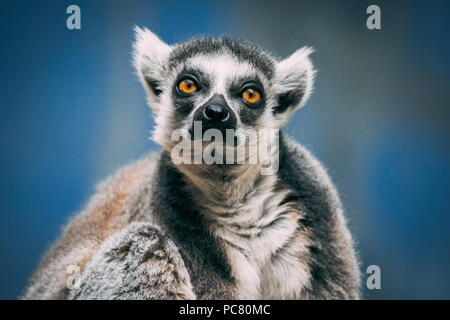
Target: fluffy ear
(293, 82)
(149, 56)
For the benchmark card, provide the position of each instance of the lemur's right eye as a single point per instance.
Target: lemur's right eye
(251, 95)
(187, 86)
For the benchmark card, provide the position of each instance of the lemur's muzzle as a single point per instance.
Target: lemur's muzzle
(216, 114)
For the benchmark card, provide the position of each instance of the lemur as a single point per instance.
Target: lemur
(160, 230)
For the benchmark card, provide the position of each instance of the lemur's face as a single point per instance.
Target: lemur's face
(220, 92)
(221, 84)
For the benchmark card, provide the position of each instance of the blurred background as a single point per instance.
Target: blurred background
(72, 112)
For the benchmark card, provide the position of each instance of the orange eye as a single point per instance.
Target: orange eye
(251, 95)
(187, 86)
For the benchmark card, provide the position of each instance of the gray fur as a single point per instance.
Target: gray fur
(140, 262)
(157, 230)
(209, 46)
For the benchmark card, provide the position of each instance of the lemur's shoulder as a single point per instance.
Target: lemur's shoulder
(107, 211)
(139, 262)
(105, 214)
(301, 171)
(330, 239)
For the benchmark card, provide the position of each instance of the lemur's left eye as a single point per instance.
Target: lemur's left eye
(187, 86)
(251, 95)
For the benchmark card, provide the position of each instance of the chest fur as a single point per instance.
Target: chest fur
(265, 245)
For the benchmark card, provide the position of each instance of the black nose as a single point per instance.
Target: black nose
(216, 113)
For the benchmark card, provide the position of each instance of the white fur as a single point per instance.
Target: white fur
(267, 252)
(291, 73)
(261, 269)
(149, 51)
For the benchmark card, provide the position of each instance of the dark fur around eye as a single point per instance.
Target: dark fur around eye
(193, 80)
(249, 113)
(200, 80)
(238, 87)
(185, 103)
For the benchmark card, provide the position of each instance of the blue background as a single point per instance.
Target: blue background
(72, 112)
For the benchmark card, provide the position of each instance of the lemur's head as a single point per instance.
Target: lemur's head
(223, 83)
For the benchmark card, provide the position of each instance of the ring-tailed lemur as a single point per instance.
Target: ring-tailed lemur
(160, 230)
